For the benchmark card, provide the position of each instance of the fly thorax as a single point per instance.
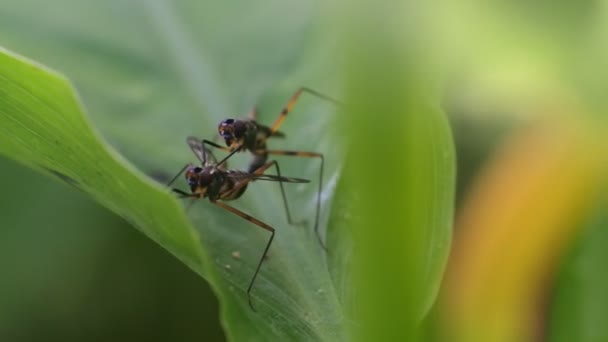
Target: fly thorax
(249, 135)
(214, 188)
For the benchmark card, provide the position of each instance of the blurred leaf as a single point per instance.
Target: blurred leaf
(580, 303)
(508, 56)
(403, 222)
(519, 217)
(399, 176)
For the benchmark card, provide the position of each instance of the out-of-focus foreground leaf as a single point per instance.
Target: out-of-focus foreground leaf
(399, 176)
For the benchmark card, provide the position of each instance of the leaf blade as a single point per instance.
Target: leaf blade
(43, 127)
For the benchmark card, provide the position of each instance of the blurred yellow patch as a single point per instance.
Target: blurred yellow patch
(519, 217)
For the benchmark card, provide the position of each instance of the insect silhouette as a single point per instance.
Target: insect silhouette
(249, 135)
(210, 180)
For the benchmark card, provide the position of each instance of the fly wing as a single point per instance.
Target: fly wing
(202, 153)
(276, 178)
(242, 175)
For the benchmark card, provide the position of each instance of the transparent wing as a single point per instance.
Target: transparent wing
(273, 178)
(281, 179)
(202, 153)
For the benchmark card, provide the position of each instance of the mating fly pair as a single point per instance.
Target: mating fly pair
(214, 181)
(249, 135)
(210, 180)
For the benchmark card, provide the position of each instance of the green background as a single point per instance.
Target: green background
(151, 73)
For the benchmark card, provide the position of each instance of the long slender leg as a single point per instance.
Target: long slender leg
(178, 174)
(182, 193)
(211, 143)
(216, 145)
(285, 204)
(260, 171)
(292, 101)
(319, 190)
(261, 225)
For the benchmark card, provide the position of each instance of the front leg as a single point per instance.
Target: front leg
(184, 194)
(232, 151)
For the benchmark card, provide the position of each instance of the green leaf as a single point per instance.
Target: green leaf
(42, 126)
(399, 174)
(152, 73)
(146, 97)
(580, 303)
